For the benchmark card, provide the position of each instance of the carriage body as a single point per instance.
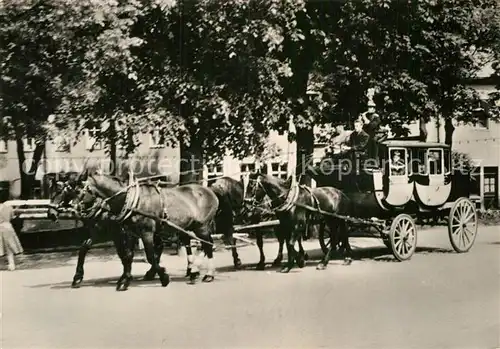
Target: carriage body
(409, 181)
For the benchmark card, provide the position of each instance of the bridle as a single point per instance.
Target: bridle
(290, 197)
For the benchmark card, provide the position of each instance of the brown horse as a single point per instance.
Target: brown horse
(62, 194)
(291, 203)
(191, 207)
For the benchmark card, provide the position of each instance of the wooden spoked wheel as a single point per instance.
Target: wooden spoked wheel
(403, 237)
(462, 225)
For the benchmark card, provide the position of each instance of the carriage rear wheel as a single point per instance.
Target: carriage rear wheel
(403, 237)
(462, 225)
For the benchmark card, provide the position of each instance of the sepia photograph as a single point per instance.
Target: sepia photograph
(257, 174)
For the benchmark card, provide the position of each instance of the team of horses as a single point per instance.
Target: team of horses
(148, 211)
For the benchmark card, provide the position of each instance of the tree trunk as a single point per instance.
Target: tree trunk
(423, 129)
(112, 148)
(448, 131)
(191, 161)
(27, 169)
(305, 149)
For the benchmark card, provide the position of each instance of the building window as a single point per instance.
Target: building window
(29, 144)
(279, 170)
(92, 141)
(489, 185)
(214, 171)
(481, 113)
(156, 138)
(3, 146)
(247, 168)
(61, 144)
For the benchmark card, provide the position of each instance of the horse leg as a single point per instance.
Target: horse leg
(158, 243)
(189, 255)
(346, 246)
(149, 249)
(260, 244)
(208, 249)
(290, 242)
(125, 245)
(82, 253)
(301, 257)
(333, 245)
(230, 240)
(281, 241)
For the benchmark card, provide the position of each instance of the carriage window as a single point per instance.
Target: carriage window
(398, 162)
(435, 161)
(447, 161)
(418, 163)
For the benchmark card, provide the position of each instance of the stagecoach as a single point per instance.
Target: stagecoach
(409, 181)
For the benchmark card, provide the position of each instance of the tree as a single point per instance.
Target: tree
(421, 63)
(39, 59)
(214, 73)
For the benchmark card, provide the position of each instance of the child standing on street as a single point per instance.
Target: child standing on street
(9, 242)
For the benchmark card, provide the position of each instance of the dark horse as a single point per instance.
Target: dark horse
(229, 191)
(190, 207)
(291, 203)
(62, 195)
(232, 205)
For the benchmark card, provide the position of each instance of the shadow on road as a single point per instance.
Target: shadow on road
(111, 282)
(377, 254)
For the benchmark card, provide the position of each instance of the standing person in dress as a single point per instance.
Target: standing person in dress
(9, 242)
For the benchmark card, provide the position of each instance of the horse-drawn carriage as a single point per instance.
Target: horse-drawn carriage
(410, 181)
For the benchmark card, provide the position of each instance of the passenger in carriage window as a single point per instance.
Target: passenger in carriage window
(434, 163)
(398, 166)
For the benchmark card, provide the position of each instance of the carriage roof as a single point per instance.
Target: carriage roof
(413, 144)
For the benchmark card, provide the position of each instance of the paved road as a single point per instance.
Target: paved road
(436, 300)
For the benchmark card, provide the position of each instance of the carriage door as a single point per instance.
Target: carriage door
(400, 189)
(439, 188)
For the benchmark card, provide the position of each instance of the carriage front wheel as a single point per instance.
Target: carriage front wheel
(403, 237)
(462, 225)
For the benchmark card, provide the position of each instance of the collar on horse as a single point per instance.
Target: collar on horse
(131, 202)
(291, 198)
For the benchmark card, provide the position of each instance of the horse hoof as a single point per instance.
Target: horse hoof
(193, 277)
(76, 282)
(301, 262)
(285, 270)
(188, 272)
(237, 263)
(321, 266)
(306, 257)
(208, 278)
(277, 262)
(261, 266)
(150, 275)
(347, 261)
(165, 280)
(122, 285)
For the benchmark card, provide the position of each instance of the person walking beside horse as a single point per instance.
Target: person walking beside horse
(9, 242)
